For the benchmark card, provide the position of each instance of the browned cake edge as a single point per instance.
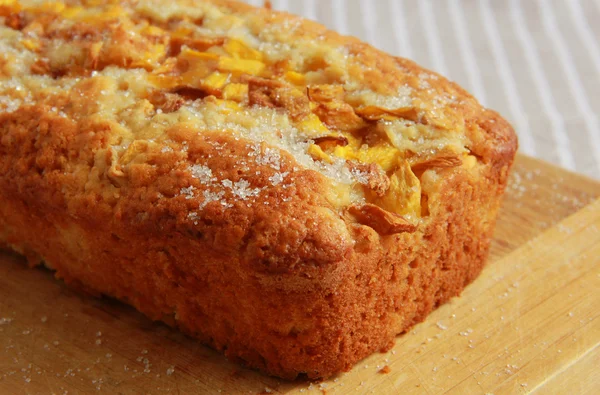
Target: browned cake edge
(318, 317)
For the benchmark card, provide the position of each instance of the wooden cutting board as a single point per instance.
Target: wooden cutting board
(531, 321)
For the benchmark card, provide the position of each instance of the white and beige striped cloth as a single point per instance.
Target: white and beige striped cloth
(537, 62)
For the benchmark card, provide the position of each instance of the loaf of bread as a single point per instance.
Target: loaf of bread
(289, 196)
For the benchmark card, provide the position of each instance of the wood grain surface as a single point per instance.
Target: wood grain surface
(530, 322)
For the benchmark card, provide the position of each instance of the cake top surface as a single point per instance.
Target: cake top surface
(158, 76)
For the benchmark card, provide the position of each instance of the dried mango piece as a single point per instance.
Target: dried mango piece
(384, 222)
(197, 66)
(331, 141)
(232, 105)
(32, 45)
(216, 80)
(311, 125)
(199, 44)
(332, 109)
(150, 58)
(339, 116)
(192, 55)
(346, 152)
(374, 113)
(404, 194)
(293, 100)
(440, 162)
(318, 154)
(239, 50)
(325, 93)
(236, 92)
(247, 66)
(194, 76)
(295, 78)
(384, 155)
(429, 159)
(168, 66)
(167, 82)
(354, 142)
(193, 86)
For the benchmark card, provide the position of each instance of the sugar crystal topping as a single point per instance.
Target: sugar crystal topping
(202, 173)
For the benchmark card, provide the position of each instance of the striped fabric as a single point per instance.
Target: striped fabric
(537, 62)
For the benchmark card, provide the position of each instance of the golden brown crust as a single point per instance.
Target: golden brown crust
(238, 241)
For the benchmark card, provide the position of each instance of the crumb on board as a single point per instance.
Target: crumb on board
(385, 370)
